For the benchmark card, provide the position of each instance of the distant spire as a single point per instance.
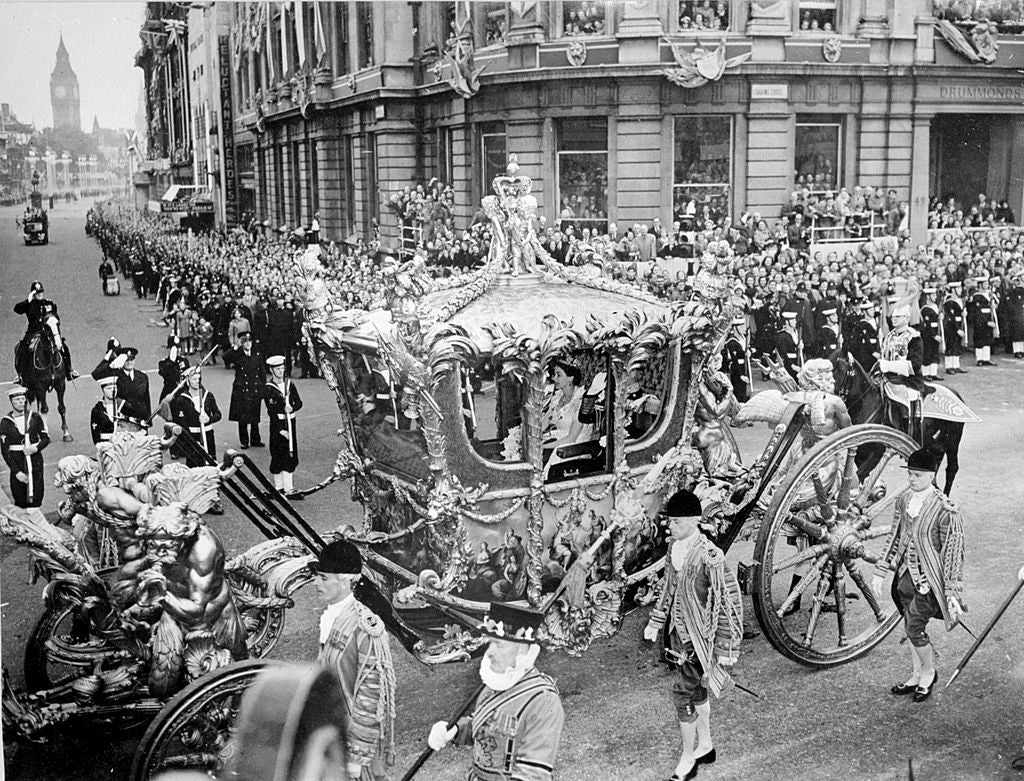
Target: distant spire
(95, 125)
(62, 51)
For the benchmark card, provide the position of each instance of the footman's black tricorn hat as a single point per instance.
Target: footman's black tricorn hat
(514, 623)
(922, 461)
(340, 557)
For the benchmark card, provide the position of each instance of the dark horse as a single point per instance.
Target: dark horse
(39, 364)
(863, 396)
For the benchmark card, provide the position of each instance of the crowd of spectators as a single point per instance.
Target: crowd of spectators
(703, 15)
(983, 213)
(583, 18)
(776, 261)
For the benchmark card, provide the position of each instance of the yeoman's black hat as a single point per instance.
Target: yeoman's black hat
(514, 623)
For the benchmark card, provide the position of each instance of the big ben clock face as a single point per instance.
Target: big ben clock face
(59, 92)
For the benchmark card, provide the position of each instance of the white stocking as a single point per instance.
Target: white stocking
(686, 760)
(704, 744)
(927, 663)
(287, 480)
(915, 658)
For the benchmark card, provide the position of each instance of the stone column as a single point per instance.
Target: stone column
(525, 33)
(639, 31)
(769, 25)
(919, 176)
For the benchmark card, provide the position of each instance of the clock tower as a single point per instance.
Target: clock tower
(64, 92)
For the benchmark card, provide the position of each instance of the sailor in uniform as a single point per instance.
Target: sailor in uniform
(736, 359)
(863, 342)
(282, 401)
(984, 325)
(829, 336)
(953, 328)
(930, 328)
(195, 409)
(23, 436)
(517, 722)
(105, 412)
(789, 344)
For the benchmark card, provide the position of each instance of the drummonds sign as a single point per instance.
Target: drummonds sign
(975, 93)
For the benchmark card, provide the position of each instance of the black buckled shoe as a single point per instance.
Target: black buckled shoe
(922, 693)
(709, 758)
(903, 689)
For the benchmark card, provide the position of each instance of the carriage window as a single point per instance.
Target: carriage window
(574, 422)
(492, 409)
(385, 421)
(646, 397)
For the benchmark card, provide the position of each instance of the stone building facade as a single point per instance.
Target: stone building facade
(622, 112)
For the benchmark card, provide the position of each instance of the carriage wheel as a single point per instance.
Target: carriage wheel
(45, 668)
(828, 526)
(191, 732)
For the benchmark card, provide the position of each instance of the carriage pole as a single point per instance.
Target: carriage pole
(995, 619)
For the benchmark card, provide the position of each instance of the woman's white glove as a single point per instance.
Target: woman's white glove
(877, 584)
(652, 630)
(440, 735)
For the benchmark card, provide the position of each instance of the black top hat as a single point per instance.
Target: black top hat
(922, 461)
(340, 557)
(683, 504)
(514, 623)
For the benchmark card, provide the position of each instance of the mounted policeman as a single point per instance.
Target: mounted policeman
(43, 320)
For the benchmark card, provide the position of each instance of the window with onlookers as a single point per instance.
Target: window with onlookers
(818, 154)
(584, 17)
(702, 178)
(371, 211)
(364, 15)
(495, 23)
(583, 172)
(817, 16)
(703, 15)
(493, 155)
(1006, 15)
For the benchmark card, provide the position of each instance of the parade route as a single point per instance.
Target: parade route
(827, 724)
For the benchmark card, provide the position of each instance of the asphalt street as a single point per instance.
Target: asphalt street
(840, 723)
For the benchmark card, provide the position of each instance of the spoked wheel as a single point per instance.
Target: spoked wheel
(824, 530)
(192, 730)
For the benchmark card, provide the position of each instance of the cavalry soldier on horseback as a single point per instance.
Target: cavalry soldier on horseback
(23, 436)
(900, 363)
(42, 314)
(953, 328)
(931, 336)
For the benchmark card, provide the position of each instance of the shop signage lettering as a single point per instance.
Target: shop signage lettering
(769, 91)
(979, 92)
(227, 134)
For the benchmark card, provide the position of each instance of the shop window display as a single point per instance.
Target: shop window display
(817, 156)
(703, 15)
(818, 16)
(583, 18)
(1008, 15)
(583, 173)
(703, 171)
